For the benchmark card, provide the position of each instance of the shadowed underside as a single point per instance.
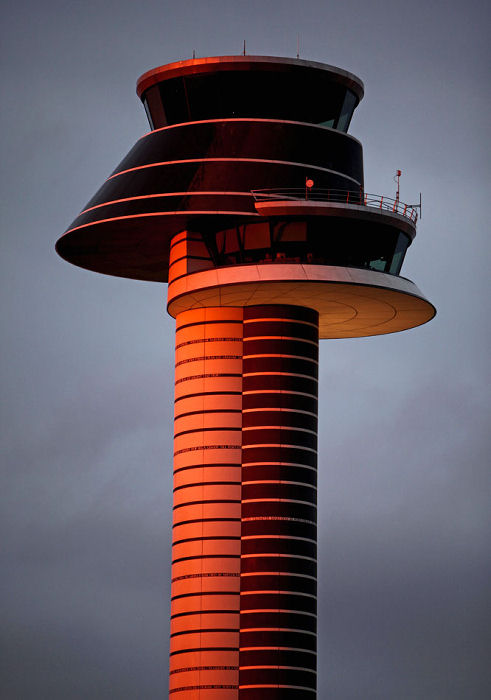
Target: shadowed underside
(350, 302)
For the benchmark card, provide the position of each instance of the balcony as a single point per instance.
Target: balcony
(358, 198)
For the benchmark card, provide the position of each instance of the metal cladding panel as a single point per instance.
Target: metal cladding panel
(200, 173)
(249, 138)
(244, 535)
(279, 495)
(205, 604)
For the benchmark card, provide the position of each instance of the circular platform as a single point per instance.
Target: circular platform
(351, 302)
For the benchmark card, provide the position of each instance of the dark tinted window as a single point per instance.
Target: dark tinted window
(315, 241)
(296, 96)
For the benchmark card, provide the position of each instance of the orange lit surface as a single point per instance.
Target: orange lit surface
(204, 651)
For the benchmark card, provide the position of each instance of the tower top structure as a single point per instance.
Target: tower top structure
(250, 86)
(254, 149)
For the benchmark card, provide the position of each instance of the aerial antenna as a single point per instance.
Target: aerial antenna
(418, 206)
(397, 178)
(243, 53)
(298, 45)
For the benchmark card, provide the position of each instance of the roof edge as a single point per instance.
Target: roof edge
(177, 68)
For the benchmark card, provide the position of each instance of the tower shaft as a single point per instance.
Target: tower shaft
(245, 458)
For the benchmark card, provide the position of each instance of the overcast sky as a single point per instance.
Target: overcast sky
(405, 490)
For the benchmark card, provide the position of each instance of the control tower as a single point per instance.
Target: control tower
(247, 197)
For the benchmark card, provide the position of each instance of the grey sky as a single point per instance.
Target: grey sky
(404, 519)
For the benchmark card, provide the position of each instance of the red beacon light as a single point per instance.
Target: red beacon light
(309, 183)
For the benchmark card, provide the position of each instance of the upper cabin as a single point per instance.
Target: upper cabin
(265, 87)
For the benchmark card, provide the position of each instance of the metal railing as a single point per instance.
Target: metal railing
(359, 197)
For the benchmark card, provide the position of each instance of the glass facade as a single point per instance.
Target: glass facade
(312, 241)
(250, 94)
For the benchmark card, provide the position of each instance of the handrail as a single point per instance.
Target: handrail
(318, 194)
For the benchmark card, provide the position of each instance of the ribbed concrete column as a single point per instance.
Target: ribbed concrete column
(279, 476)
(204, 639)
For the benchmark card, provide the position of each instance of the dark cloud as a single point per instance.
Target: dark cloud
(404, 485)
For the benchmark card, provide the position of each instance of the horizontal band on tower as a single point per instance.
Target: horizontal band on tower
(293, 668)
(206, 520)
(258, 446)
(264, 555)
(197, 448)
(201, 687)
(195, 649)
(278, 499)
(287, 391)
(279, 518)
(276, 537)
(204, 612)
(209, 322)
(277, 648)
(271, 629)
(212, 501)
(218, 574)
(279, 563)
(301, 688)
(261, 374)
(209, 411)
(274, 340)
(209, 340)
(199, 594)
(207, 465)
(205, 358)
(207, 376)
(201, 539)
(207, 393)
(204, 630)
(267, 321)
(277, 592)
(283, 428)
(215, 556)
(265, 465)
(207, 430)
(203, 668)
(272, 409)
(274, 610)
(205, 483)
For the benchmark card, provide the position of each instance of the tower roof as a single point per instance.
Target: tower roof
(213, 64)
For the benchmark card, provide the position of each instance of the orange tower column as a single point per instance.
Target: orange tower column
(204, 641)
